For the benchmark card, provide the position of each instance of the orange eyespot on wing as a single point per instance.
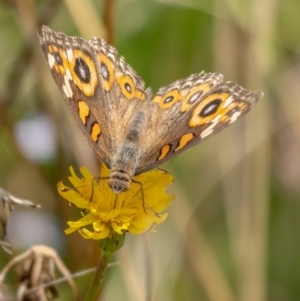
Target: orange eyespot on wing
(128, 88)
(107, 71)
(194, 95)
(208, 109)
(167, 100)
(83, 71)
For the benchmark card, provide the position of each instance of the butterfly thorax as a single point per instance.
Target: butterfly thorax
(128, 155)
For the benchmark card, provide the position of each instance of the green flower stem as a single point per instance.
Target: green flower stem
(108, 247)
(97, 281)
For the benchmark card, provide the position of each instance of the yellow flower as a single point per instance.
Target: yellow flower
(136, 211)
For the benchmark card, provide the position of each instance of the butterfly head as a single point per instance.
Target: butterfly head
(119, 181)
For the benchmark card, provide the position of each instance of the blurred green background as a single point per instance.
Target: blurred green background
(233, 229)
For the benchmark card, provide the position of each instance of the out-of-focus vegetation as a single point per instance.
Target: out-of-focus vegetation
(233, 230)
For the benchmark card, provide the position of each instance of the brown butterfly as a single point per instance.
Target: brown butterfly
(131, 130)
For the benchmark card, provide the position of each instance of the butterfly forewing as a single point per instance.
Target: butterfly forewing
(74, 67)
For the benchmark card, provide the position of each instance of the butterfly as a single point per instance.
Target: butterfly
(130, 129)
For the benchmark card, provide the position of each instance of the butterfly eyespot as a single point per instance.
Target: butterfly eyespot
(82, 70)
(168, 99)
(128, 87)
(211, 108)
(194, 97)
(208, 109)
(105, 72)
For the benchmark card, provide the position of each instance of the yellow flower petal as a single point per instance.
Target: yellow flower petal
(94, 235)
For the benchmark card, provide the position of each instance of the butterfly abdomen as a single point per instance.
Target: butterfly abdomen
(128, 154)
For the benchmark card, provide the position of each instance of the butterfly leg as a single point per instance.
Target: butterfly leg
(141, 190)
(95, 182)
